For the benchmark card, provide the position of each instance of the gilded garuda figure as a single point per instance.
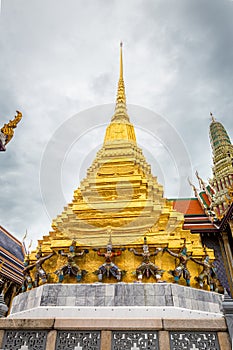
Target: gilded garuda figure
(27, 279)
(7, 131)
(147, 268)
(109, 268)
(207, 274)
(181, 268)
(40, 273)
(71, 268)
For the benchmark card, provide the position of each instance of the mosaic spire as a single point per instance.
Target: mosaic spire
(218, 136)
(222, 181)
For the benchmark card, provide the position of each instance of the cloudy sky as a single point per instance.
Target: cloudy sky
(59, 64)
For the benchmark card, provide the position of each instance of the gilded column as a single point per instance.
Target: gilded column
(227, 257)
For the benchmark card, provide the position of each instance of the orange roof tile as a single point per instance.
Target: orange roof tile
(188, 206)
(205, 198)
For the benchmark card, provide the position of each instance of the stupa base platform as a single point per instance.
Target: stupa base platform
(128, 316)
(116, 301)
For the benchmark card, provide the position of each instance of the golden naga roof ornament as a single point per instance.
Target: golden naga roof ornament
(7, 131)
(121, 109)
(193, 187)
(200, 180)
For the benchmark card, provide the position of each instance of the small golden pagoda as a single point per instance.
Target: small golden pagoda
(120, 196)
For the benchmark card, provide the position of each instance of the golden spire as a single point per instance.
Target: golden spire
(120, 109)
(120, 128)
(121, 62)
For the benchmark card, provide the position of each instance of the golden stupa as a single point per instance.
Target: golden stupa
(120, 195)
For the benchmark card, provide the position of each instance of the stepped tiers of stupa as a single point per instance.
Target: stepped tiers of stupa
(119, 201)
(119, 192)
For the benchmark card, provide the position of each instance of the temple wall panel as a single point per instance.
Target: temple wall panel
(109, 333)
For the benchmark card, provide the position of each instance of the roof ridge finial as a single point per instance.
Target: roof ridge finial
(120, 109)
(212, 117)
(193, 187)
(200, 180)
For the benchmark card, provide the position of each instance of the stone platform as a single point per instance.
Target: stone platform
(119, 300)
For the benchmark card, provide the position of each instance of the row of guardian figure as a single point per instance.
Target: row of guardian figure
(145, 270)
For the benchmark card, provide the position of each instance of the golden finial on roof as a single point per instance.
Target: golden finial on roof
(201, 182)
(212, 117)
(120, 109)
(25, 236)
(30, 244)
(193, 187)
(7, 131)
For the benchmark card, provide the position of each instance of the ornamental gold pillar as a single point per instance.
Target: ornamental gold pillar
(231, 226)
(227, 258)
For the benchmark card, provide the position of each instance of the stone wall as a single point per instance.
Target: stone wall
(118, 334)
(118, 300)
(132, 316)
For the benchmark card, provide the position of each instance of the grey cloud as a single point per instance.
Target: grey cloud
(59, 58)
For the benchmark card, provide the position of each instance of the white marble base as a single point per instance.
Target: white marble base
(134, 312)
(120, 300)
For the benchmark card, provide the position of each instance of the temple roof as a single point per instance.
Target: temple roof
(194, 215)
(12, 256)
(188, 206)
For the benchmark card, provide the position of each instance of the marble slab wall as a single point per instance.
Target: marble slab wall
(118, 295)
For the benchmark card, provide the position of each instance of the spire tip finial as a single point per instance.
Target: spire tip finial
(120, 109)
(212, 117)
